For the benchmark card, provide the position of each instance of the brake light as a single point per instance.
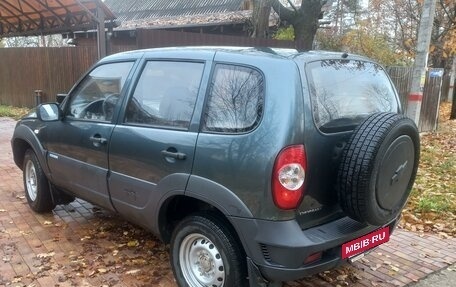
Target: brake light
(288, 177)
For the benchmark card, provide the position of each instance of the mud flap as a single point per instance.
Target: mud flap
(256, 279)
(60, 197)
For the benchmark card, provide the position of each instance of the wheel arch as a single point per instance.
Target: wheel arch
(24, 139)
(202, 195)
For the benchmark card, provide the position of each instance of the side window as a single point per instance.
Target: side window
(165, 95)
(235, 102)
(97, 95)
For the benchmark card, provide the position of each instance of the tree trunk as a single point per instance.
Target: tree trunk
(304, 36)
(260, 18)
(306, 23)
(453, 106)
(303, 19)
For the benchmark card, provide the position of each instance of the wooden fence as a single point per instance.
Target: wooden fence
(402, 79)
(53, 70)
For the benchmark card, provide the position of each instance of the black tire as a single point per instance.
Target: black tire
(220, 259)
(378, 168)
(36, 185)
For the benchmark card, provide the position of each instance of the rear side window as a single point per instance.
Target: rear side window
(235, 102)
(344, 92)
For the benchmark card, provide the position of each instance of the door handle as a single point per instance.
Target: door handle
(176, 155)
(98, 139)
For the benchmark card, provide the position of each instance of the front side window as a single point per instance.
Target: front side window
(97, 95)
(165, 95)
(344, 92)
(235, 102)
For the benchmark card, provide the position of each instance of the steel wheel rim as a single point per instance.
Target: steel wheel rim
(201, 262)
(31, 180)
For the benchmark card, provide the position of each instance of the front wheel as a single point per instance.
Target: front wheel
(36, 185)
(205, 253)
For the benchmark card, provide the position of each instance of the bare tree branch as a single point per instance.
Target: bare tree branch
(292, 5)
(284, 12)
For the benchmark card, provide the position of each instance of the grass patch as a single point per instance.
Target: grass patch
(436, 204)
(13, 112)
(432, 203)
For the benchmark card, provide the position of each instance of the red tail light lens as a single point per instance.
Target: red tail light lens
(288, 177)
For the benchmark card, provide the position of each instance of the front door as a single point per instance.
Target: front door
(78, 145)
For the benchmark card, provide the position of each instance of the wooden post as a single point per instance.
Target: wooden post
(452, 80)
(419, 69)
(101, 33)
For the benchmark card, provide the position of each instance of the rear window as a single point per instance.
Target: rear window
(344, 92)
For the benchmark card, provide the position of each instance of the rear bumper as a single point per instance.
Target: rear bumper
(279, 248)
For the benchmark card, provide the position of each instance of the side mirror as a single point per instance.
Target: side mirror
(49, 112)
(60, 97)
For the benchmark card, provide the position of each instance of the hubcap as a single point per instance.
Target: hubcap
(201, 262)
(31, 180)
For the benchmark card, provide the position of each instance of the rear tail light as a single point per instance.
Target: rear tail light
(288, 177)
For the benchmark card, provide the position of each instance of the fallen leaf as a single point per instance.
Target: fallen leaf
(47, 222)
(45, 255)
(374, 268)
(133, 243)
(2, 210)
(133, 272)
(342, 277)
(6, 259)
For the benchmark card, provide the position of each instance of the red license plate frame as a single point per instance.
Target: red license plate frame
(365, 243)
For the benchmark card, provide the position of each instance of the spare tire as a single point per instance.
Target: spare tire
(378, 167)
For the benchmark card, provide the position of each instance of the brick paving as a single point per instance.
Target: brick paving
(81, 245)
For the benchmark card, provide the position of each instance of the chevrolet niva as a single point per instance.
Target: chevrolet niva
(256, 165)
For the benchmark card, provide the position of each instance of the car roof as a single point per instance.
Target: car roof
(265, 52)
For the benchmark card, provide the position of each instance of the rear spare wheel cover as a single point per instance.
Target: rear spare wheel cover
(378, 168)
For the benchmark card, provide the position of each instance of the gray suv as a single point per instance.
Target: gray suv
(257, 165)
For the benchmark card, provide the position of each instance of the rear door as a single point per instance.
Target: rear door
(342, 93)
(151, 150)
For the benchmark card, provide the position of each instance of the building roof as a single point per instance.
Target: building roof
(35, 17)
(164, 13)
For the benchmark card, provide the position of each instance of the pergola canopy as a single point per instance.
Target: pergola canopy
(43, 17)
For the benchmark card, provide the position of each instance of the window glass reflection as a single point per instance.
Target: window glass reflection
(97, 95)
(345, 92)
(165, 94)
(236, 99)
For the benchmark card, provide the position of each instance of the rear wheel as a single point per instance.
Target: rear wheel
(36, 185)
(204, 253)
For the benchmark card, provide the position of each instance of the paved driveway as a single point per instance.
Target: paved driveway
(81, 245)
